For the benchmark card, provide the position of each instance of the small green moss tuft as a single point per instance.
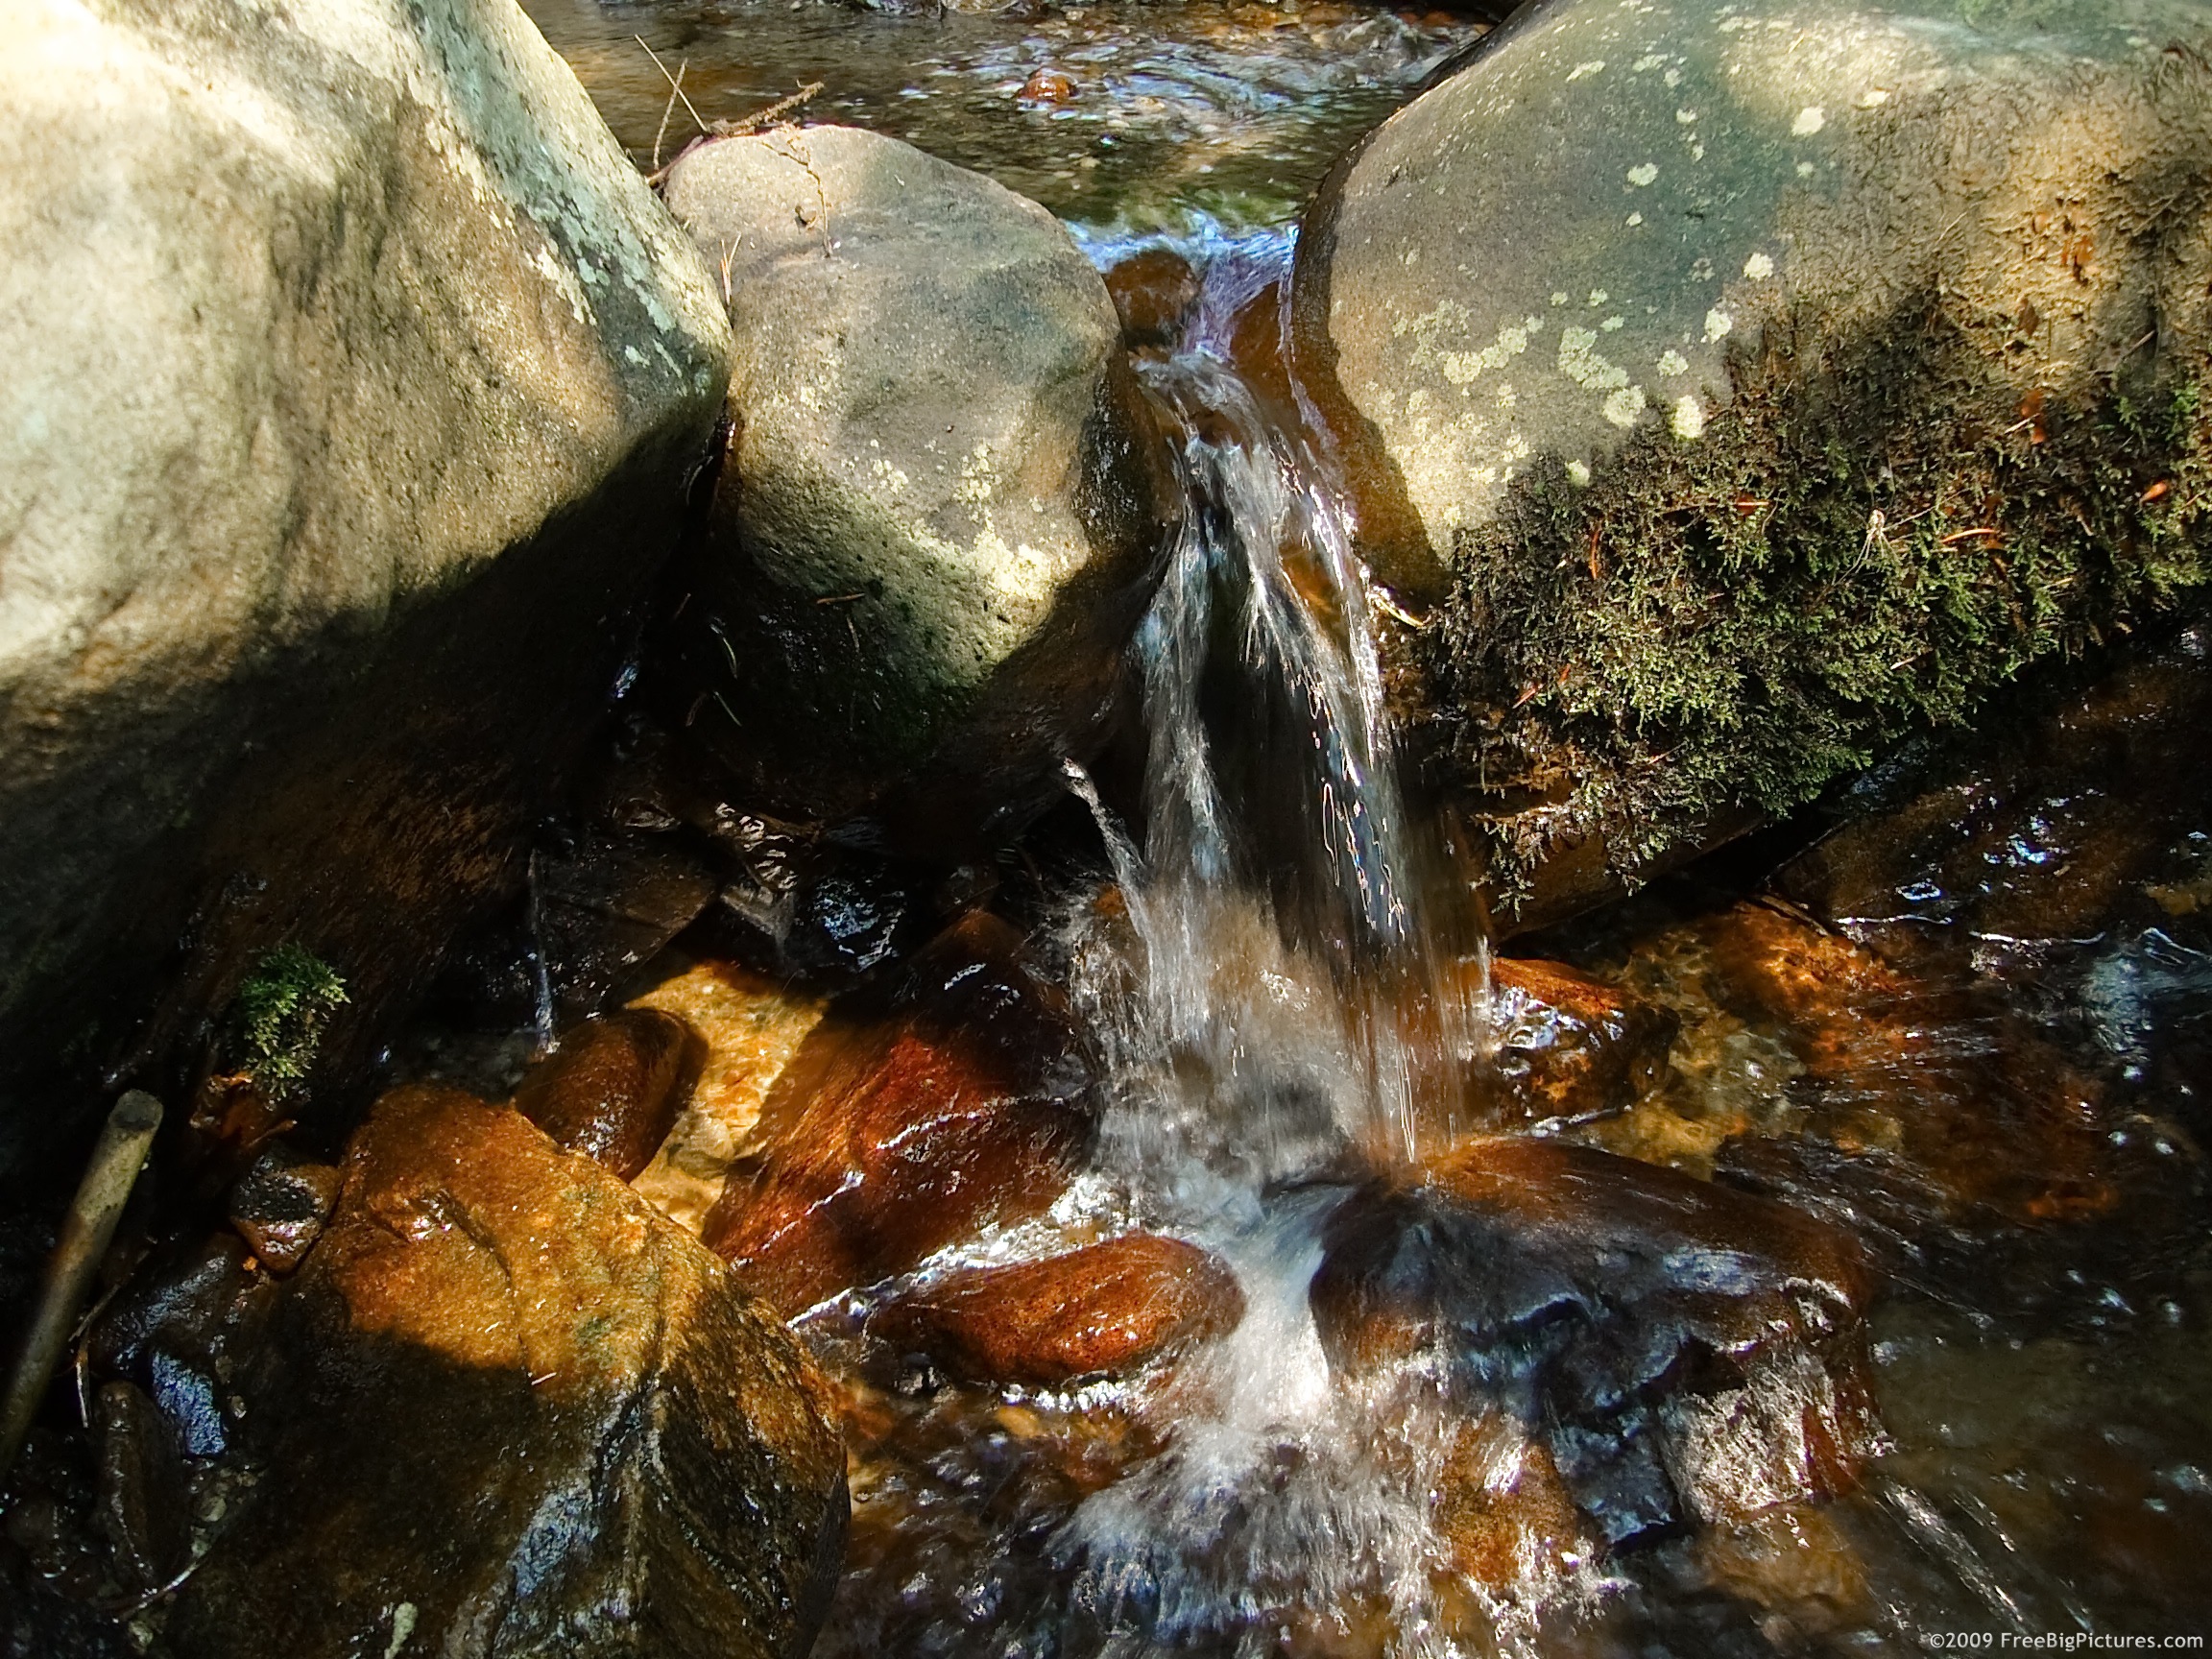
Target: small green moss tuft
(281, 1014)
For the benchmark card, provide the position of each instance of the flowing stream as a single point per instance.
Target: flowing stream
(1872, 1310)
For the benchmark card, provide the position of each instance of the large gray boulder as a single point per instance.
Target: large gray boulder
(1740, 382)
(940, 495)
(353, 380)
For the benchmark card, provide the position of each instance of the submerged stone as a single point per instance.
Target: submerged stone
(1570, 1046)
(885, 1140)
(1099, 1311)
(941, 495)
(1741, 382)
(505, 1409)
(1680, 1352)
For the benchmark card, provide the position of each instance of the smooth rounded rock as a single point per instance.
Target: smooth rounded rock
(1099, 1311)
(941, 495)
(355, 376)
(505, 1396)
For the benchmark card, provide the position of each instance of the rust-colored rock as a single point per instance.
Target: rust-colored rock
(1154, 292)
(1101, 1310)
(1503, 1514)
(506, 1397)
(613, 1087)
(885, 1140)
(1683, 1351)
(280, 1204)
(1978, 1112)
(1569, 1046)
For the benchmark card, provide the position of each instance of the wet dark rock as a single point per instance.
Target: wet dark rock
(1154, 292)
(1099, 1311)
(1676, 480)
(280, 1204)
(612, 1089)
(185, 1330)
(612, 902)
(505, 1409)
(1682, 1352)
(942, 494)
(312, 657)
(886, 1138)
(1570, 1045)
(2036, 838)
(144, 1503)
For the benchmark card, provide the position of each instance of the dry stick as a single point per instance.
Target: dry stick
(769, 117)
(671, 79)
(667, 109)
(86, 1232)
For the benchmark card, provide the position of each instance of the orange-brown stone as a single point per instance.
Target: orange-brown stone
(505, 1394)
(885, 1140)
(1570, 1046)
(1101, 1310)
(613, 1088)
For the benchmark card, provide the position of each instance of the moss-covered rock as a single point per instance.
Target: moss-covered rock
(1743, 384)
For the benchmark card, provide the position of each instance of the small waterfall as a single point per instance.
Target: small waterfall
(1290, 1000)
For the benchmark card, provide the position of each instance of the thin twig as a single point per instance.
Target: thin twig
(667, 109)
(769, 117)
(671, 79)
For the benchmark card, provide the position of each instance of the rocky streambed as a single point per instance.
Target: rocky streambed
(1087, 853)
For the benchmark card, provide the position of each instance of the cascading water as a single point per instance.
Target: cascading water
(1494, 1390)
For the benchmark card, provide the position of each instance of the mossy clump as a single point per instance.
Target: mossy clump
(1867, 541)
(278, 1019)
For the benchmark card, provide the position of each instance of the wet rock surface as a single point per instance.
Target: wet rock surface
(280, 1205)
(1783, 321)
(1097, 1312)
(1679, 1350)
(940, 497)
(480, 1292)
(613, 1087)
(451, 364)
(1568, 1044)
(886, 1138)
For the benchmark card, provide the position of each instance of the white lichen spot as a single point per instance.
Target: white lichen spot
(1649, 62)
(1612, 323)
(1596, 67)
(1873, 98)
(1460, 368)
(1558, 297)
(1686, 117)
(1671, 363)
(1810, 120)
(890, 477)
(633, 357)
(1506, 397)
(1716, 324)
(1623, 406)
(1599, 296)
(1689, 418)
(1696, 151)
(1758, 266)
(1578, 473)
(1580, 363)
(403, 1618)
(1641, 176)
(1634, 220)
(1674, 78)
(1701, 269)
